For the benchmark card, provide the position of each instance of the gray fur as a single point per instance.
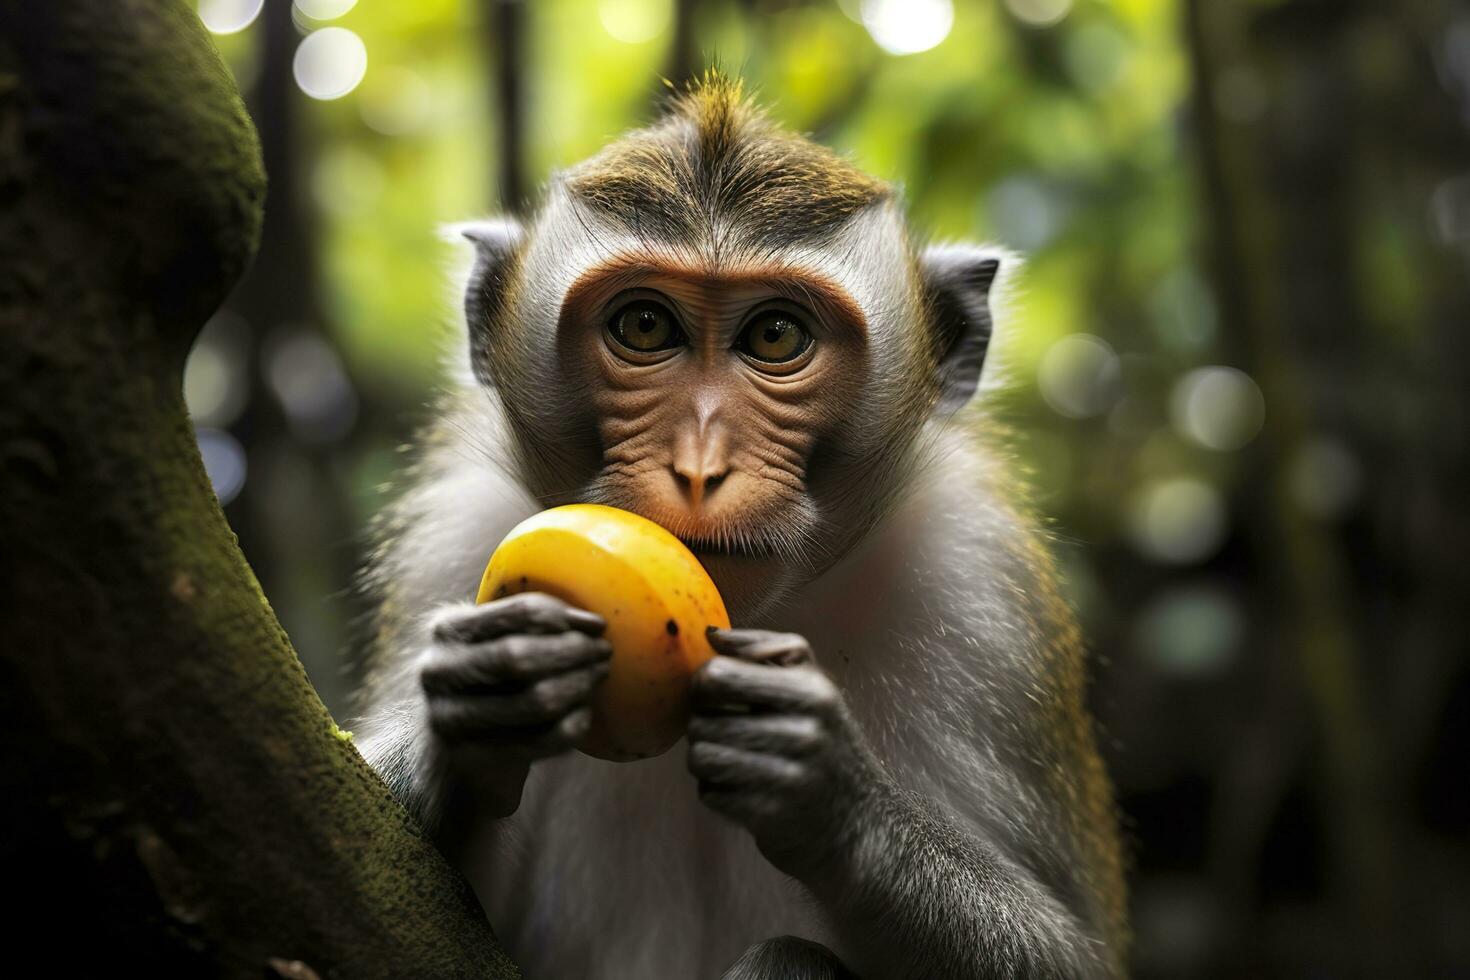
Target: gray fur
(919, 794)
(787, 958)
(618, 871)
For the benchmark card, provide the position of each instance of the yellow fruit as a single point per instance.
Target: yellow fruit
(657, 600)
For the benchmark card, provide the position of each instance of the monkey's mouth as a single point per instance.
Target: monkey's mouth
(724, 547)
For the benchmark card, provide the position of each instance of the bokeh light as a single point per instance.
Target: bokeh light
(634, 21)
(1219, 408)
(1039, 13)
(325, 9)
(1183, 310)
(1027, 213)
(1096, 54)
(1178, 521)
(1449, 211)
(1080, 376)
(216, 374)
(329, 63)
(1453, 58)
(908, 26)
(229, 16)
(224, 461)
(1191, 630)
(308, 378)
(1185, 916)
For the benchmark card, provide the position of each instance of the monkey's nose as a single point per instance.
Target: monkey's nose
(700, 465)
(698, 481)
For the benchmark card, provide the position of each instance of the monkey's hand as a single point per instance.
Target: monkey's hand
(508, 682)
(776, 749)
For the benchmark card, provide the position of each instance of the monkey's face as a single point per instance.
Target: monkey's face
(711, 394)
(725, 328)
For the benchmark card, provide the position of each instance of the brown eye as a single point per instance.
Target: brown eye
(774, 337)
(646, 326)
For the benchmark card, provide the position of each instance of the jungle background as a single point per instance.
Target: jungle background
(1239, 360)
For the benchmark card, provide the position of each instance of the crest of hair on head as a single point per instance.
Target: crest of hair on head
(714, 171)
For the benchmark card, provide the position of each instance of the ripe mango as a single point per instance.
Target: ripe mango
(657, 600)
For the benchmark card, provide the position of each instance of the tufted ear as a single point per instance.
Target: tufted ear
(958, 281)
(496, 241)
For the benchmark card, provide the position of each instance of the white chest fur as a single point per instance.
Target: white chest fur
(625, 852)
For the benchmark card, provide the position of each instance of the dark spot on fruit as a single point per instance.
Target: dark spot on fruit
(502, 591)
(672, 627)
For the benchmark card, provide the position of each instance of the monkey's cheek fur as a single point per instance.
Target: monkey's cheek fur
(657, 600)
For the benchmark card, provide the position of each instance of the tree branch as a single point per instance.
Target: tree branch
(175, 794)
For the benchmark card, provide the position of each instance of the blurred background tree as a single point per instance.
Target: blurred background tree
(1237, 357)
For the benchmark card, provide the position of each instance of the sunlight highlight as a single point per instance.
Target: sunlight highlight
(330, 63)
(229, 16)
(1040, 13)
(325, 9)
(908, 26)
(634, 21)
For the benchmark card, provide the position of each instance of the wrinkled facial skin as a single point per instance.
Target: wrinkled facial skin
(712, 433)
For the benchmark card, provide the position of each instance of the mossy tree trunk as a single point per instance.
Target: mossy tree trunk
(175, 798)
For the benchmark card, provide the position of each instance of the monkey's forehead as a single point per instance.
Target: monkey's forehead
(868, 257)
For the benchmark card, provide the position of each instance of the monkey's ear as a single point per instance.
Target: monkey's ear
(495, 241)
(957, 283)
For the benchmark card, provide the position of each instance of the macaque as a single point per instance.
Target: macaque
(889, 770)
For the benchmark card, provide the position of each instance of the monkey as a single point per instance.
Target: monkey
(889, 769)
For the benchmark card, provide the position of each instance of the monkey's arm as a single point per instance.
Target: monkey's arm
(911, 890)
(919, 895)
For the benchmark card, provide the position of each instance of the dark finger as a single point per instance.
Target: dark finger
(762, 646)
(792, 736)
(527, 612)
(542, 703)
(719, 765)
(726, 683)
(524, 740)
(508, 660)
(561, 736)
(740, 805)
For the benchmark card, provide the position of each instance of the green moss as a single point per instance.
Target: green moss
(171, 700)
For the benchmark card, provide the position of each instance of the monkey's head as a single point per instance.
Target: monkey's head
(726, 328)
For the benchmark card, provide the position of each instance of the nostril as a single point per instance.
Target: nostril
(696, 484)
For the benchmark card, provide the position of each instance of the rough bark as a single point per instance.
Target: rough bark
(176, 798)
